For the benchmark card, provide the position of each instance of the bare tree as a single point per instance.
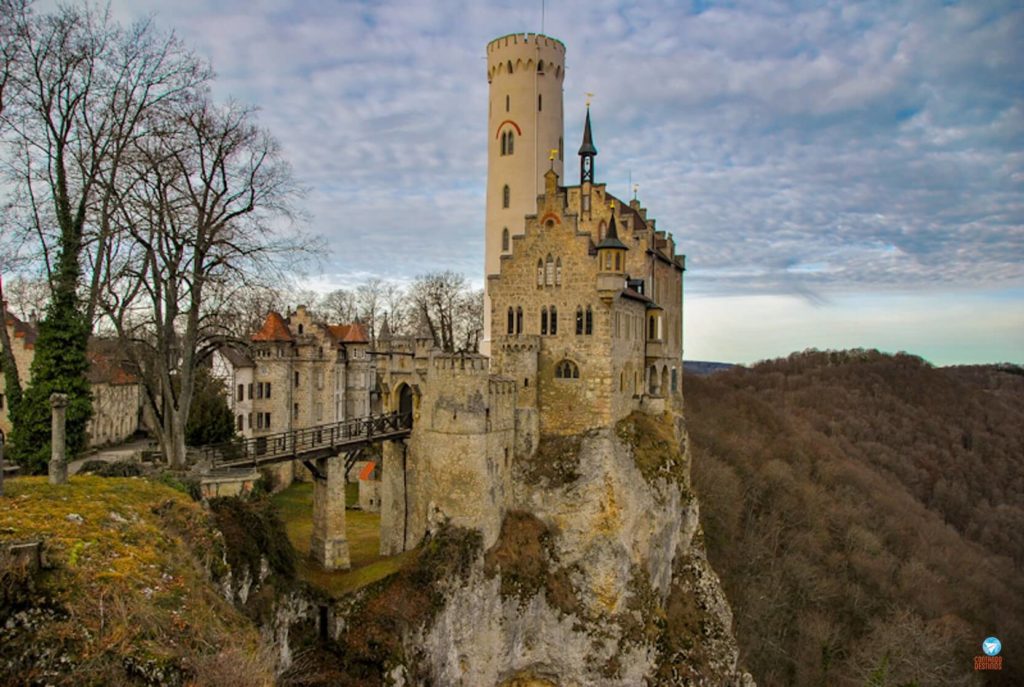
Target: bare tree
(339, 306)
(84, 90)
(449, 310)
(369, 301)
(206, 187)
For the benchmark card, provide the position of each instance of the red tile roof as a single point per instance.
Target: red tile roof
(107, 364)
(349, 333)
(22, 330)
(274, 329)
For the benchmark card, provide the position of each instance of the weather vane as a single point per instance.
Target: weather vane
(636, 188)
(589, 96)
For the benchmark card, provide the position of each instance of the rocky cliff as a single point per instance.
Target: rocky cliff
(599, 577)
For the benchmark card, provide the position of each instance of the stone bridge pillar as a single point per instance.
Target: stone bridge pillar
(329, 544)
(394, 495)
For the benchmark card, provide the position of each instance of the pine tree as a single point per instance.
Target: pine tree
(210, 420)
(59, 365)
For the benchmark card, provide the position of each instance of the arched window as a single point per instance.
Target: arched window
(579, 320)
(567, 369)
(511, 320)
(511, 142)
(558, 272)
(504, 142)
(540, 66)
(540, 103)
(510, 66)
(549, 271)
(540, 273)
(519, 320)
(590, 321)
(554, 320)
(504, 239)
(544, 321)
(505, 196)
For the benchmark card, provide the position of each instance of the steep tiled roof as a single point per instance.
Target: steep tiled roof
(237, 357)
(349, 333)
(274, 329)
(22, 330)
(107, 364)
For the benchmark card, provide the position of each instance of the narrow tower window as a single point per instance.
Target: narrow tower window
(549, 271)
(508, 103)
(504, 239)
(590, 321)
(540, 67)
(519, 320)
(558, 272)
(504, 145)
(579, 320)
(505, 193)
(554, 320)
(544, 321)
(511, 141)
(511, 320)
(540, 273)
(540, 102)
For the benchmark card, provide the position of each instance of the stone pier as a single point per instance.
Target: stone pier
(329, 543)
(58, 456)
(393, 498)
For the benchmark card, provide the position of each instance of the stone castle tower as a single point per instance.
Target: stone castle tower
(524, 124)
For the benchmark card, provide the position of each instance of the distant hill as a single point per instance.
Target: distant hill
(866, 515)
(704, 367)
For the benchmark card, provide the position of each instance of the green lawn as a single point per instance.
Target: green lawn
(363, 530)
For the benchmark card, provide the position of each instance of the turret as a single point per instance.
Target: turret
(611, 256)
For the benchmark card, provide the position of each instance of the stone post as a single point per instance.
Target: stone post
(393, 498)
(58, 458)
(329, 544)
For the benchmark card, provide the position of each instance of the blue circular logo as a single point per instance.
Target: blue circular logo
(991, 646)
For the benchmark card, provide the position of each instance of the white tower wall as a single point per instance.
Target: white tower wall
(526, 101)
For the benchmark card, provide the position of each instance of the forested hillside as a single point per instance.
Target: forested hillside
(866, 515)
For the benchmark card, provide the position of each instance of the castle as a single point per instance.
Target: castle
(583, 326)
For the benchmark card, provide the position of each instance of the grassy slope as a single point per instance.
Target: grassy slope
(846, 500)
(295, 505)
(127, 594)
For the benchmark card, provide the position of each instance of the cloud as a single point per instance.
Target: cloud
(791, 148)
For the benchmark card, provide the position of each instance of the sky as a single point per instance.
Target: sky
(838, 174)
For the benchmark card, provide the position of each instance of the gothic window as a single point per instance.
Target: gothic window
(558, 272)
(504, 144)
(579, 320)
(505, 194)
(544, 321)
(567, 370)
(540, 273)
(511, 321)
(549, 271)
(519, 320)
(590, 321)
(504, 239)
(511, 142)
(554, 321)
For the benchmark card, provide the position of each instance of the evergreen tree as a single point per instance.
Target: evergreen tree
(59, 366)
(210, 420)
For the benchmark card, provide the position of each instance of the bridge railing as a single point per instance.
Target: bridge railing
(294, 443)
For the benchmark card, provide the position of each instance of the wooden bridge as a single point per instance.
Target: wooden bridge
(310, 443)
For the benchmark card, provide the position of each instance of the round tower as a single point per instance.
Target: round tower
(524, 124)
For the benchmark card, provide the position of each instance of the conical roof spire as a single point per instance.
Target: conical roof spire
(611, 239)
(588, 141)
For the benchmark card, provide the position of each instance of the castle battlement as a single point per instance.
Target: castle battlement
(469, 363)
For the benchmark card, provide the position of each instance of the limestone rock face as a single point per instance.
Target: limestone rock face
(598, 578)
